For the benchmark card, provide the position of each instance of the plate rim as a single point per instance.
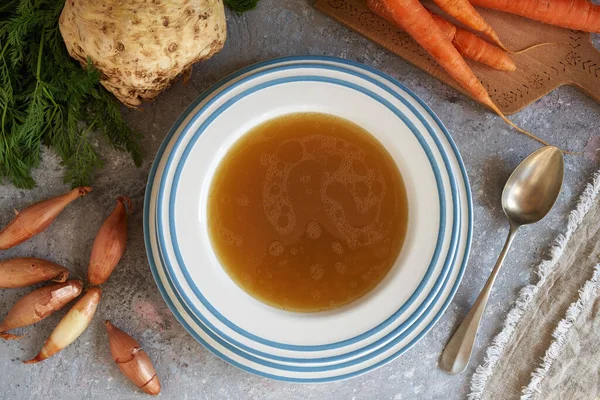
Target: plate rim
(467, 188)
(447, 266)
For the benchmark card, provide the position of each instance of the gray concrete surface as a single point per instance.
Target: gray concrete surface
(131, 300)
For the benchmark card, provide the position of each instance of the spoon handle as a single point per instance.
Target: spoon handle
(455, 356)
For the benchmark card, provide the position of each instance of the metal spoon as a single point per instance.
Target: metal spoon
(528, 196)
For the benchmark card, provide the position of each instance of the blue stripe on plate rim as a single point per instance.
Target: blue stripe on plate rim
(468, 205)
(359, 338)
(311, 360)
(200, 130)
(251, 358)
(373, 330)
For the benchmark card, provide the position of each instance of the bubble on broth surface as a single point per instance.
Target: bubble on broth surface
(230, 237)
(276, 248)
(316, 271)
(313, 230)
(283, 221)
(243, 201)
(265, 159)
(337, 248)
(246, 278)
(340, 268)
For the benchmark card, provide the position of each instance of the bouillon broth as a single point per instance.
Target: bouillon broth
(307, 212)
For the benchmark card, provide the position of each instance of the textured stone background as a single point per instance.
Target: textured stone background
(131, 300)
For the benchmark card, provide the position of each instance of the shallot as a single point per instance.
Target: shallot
(110, 243)
(133, 362)
(37, 217)
(27, 271)
(39, 304)
(71, 326)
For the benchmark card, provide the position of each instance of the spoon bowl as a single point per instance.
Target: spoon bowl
(532, 189)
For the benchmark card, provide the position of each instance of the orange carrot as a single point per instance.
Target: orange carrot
(464, 12)
(581, 15)
(481, 51)
(416, 20)
(465, 42)
(475, 48)
(447, 28)
(381, 10)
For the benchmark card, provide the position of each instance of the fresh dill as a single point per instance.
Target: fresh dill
(46, 98)
(241, 6)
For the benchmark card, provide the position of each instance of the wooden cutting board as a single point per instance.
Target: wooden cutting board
(574, 61)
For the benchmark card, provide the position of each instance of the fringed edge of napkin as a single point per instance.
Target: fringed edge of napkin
(528, 293)
(586, 294)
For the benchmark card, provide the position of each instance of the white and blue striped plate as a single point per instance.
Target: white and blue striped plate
(322, 346)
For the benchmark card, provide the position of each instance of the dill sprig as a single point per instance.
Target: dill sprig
(241, 6)
(46, 98)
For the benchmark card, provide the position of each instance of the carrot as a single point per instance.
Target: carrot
(581, 15)
(464, 12)
(447, 28)
(465, 42)
(481, 51)
(475, 48)
(380, 9)
(416, 20)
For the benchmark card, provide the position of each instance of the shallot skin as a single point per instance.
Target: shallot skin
(39, 304)
(133, 362)
(71, 326)
(37, 217)
(27, 271)
(110, 243)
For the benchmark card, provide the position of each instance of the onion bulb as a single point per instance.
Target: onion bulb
(133, 362)
(39, 304)
(110, 243)
(27, 271)
(71, 326)
(36, 218)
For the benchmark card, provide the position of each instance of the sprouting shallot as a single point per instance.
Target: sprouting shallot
(36, 218)
(71, 326)
(110, 243)
(39, 304)
(27, 271)
(133, 362)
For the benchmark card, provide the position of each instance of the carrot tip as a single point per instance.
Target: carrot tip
(32, 361)
(492, 35)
